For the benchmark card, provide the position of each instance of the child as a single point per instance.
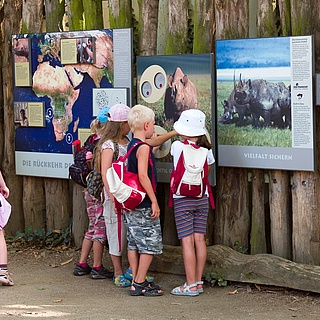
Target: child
(143, 223)
(95, 237)
(5, 279)
(114, 143)
(191, 213)
(114, 140)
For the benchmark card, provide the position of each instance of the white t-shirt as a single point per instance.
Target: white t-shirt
(122, 152)
(176, 149)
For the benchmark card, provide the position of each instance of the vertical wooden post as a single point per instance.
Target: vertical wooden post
(258, 241)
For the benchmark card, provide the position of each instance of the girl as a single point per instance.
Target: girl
(95, 237)
(191, 213)
(113, 140)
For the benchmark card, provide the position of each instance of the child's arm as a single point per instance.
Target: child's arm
(143, 163)
(106, 161)
(161, 138)
(3, 187)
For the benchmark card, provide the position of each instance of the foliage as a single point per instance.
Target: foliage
(41, 238)
(239, 248)
(214, 278)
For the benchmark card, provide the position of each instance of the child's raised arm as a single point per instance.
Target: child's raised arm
(161, 138)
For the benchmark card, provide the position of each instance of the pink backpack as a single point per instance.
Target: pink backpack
(190, 178)
(125, 186)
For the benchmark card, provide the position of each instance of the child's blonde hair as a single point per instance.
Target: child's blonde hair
(95, 126)
(109, 131)
(138, 115)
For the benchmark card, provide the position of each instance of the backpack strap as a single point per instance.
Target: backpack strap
(208, 186)
(153, 182)
(211, 199)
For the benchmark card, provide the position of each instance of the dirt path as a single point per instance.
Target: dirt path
(46, 288)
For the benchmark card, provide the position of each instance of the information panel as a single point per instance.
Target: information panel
(57, 106)
(266, 103)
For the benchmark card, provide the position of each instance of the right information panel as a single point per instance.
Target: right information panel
(265, 103)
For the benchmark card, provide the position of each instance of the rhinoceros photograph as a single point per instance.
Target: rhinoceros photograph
(264, 102)
(172, 84)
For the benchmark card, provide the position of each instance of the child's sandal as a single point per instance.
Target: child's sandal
(200, 283)
(145, 289)
(185, 291)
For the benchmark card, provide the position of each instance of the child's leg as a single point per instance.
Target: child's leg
(143, 267)
(200, 225)
(201, 256)
(85, 250)
(117, 264)
(5, 278)
(133, 257)
(111, 221)
(98, 248)
(3, 249)
(189, 259)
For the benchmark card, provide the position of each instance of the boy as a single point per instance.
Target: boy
(143, 223)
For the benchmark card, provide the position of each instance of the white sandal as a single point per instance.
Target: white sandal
(200, 290)
(186, 290)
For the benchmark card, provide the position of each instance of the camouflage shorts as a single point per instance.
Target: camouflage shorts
(143, 233)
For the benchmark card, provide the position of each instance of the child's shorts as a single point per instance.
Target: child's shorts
(97, 227)
(191, 215)
(143, 233)
(111, 220)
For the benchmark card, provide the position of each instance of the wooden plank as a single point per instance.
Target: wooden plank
(258, 241)
(79, 217)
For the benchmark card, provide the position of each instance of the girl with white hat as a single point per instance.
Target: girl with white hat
(191, 213)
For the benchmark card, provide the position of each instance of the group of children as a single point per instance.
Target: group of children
(141, 230)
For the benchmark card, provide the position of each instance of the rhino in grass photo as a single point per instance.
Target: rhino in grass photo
(180, 95)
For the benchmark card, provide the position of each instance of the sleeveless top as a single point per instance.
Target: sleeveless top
(133, 167)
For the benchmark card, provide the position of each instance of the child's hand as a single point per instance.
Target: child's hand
(155, 210)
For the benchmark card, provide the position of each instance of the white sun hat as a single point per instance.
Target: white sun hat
(192, 123)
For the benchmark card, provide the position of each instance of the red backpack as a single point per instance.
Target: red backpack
(190, 178)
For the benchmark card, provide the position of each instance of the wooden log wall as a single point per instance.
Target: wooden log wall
(257, 211)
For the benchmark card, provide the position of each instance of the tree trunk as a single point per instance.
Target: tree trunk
(93, 17)
(54, 15)
(232, 18)
(264, 269)
(285, 17)
(203, 20)
(280, 213)
(148, 28)
(75, 14)
(120, 13)
(34, 204)
(232, 203)
(177, 40)
(258, 241)
(163, 26)
(2, 136)
(305, 203)
(58, 204)
(232, 209)
(80, 218)
(32, 16)
(266, 19)
(79, 212)
(279, 195)
(11, 25)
